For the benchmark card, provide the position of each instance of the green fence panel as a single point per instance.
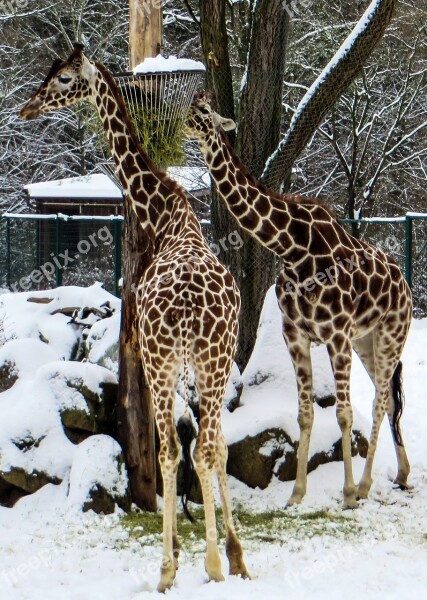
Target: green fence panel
(38, 252)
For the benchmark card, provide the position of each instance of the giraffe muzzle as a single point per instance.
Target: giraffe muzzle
(30, 110)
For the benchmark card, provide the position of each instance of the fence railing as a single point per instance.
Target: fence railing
(45, 251)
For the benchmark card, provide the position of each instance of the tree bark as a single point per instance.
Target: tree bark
(258, 135)
(321, 97)
(135, 422)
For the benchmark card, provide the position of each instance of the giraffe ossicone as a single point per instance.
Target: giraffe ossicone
(332, 289)
(187, 302)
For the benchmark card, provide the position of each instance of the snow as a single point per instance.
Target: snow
(87, 186)
(160, 64)
(50, 550)
(95, 464)
(100, 186)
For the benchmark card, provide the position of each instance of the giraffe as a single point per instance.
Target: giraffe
(332, 289)
(187, 304)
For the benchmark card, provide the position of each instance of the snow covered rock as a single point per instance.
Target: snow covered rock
(103, 343)
(21, 358)
(85, 396)
(98, 478)
(255, 459)
(46, 315)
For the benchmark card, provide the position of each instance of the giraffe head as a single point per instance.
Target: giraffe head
(202, 119)
(67, 82)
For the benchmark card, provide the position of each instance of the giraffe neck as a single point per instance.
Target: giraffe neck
(159, 202)
(247, 199)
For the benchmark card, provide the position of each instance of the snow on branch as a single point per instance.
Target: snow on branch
(345, 66)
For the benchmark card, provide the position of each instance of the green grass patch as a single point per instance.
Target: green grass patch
(277, 526)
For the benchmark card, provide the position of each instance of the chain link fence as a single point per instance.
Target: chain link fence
(38, 252)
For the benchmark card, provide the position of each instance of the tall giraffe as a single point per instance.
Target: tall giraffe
(187, 303)
(332, 289)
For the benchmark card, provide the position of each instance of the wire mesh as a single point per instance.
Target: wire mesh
(37, 253)
(43, 253)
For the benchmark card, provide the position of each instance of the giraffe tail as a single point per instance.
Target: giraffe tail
(399, 402)
(185, 428)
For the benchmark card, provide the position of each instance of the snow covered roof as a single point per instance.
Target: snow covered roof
(87, 186)
(100, 186)
(160, 64)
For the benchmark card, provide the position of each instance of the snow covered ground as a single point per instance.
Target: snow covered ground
(49, 550)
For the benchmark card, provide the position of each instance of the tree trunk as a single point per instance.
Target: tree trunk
(259, 130)
(258, 135)
(135, 422)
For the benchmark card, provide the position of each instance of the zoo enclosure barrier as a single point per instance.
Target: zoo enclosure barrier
(46, 251)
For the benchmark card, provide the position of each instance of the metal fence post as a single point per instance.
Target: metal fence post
(117, 232)
(8, 255)
(408, 249)
(58, 231)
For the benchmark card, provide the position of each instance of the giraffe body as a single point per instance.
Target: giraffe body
(332, 289)
(187, 305)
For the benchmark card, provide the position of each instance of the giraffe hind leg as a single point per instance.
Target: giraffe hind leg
(364, 348)
(387, 351)
(233, 546)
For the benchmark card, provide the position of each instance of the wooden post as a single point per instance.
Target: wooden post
(145, 30)
(135, 422)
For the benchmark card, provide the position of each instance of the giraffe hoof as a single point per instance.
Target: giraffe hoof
(350, 503)
(402, 485)
(362, 492)
(240, 571)
(166, 580)
(216, 576)
(294, 499)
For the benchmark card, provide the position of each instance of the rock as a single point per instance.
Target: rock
(255, 459)
(28, 482)
(86, 396)
(98, 477)
(9, 494)
(252, 459)
(8, 375)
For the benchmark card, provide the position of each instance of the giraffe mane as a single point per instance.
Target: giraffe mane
(173, 186)
(287, 197)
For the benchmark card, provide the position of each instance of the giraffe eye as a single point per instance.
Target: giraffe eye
(64, 79)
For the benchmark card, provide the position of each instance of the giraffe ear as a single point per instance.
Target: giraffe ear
(225, 124)
(78, 47)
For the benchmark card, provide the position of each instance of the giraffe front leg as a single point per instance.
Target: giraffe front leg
(299, 348)
(204, 459)
(233, 546)
(340, 354)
